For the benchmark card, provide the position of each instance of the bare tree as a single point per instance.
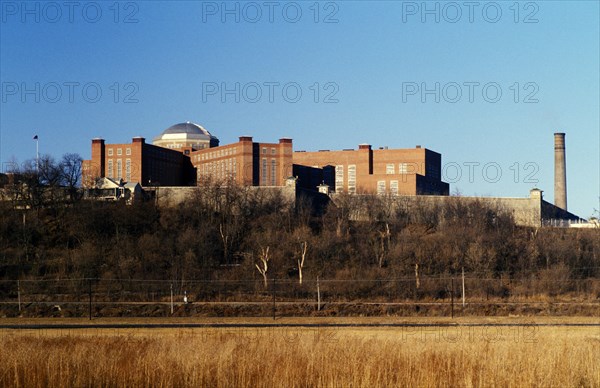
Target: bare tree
(70, 173)
(225, 239)
(417, 280)
(384, 243)
(303, 248)
(264, 258)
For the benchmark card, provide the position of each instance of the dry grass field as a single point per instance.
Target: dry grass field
(519, 356)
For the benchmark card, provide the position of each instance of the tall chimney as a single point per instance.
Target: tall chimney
(560, 171)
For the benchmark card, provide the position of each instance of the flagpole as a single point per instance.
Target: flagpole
(37, 154)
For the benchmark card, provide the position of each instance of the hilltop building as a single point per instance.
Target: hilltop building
(139, 162)
(187, 154)
(415, 171)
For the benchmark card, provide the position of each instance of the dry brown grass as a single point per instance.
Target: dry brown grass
(292, 357)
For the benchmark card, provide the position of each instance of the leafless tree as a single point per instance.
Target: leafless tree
(384, 243)
(303, 248)
(417, 280)
(70, 173)
(264, 259)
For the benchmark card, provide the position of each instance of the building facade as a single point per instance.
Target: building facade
(415, 171)
(246, 162)
(146, 164)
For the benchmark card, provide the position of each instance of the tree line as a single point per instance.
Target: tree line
(231, 233)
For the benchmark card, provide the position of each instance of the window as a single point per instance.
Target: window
(128, 170)
(390, 169)
(403, 168)
(273, 172)
(380, 187)
(119, 169)
(110, 152)
(394, 187)
(119, 152)
(128, 151)
(272, 151)
(352, 178)
(339, 179)
(264, 171)
(264, 150)
(110, 173)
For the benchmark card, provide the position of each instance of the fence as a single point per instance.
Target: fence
(433, 296)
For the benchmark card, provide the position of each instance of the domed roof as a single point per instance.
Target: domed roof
(188, 128)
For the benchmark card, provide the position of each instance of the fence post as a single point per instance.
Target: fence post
(318, 296)
(452, 297)
(19, 293)
(90, 296)
(273, 298)
(171, 298)
(463, 286)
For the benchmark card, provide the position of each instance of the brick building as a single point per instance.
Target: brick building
(247, 162)
(415, 171)
(139, 162)
(186, 154)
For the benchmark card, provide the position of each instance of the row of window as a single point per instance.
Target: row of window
(264, 151)
(216, 154)
(119, 151)
(339, 178)
(265, 174)
(403, 168)
(382, 189)
(118, 174)
(219, 169)
(197, 146)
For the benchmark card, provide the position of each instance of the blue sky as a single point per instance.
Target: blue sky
(330, 75)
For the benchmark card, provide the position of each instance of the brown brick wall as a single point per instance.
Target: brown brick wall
(137, 162)
(402, 171)
(248, 163)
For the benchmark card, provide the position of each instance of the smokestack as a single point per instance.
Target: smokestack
(560, 171)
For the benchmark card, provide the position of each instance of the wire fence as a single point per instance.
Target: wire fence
(118, 297)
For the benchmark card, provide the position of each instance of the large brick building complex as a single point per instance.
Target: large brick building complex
(187, 154)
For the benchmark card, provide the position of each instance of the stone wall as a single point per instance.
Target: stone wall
(525, 211)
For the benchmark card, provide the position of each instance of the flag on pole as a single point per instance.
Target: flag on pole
(35, 137)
